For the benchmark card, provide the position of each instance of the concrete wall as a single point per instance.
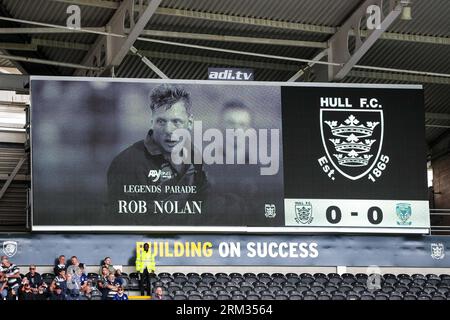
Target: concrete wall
(441, 181)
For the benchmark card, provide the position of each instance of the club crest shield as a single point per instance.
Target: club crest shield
(303, 212)
(352, 139)
(437, 251)
(10, 248)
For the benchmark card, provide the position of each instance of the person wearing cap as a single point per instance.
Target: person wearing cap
(59, 281)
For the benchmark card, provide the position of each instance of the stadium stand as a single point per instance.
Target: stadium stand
(289, 286)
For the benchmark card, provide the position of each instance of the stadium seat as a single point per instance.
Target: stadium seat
(246, 287)
(195, 297)
(345, 288)
(400, 288)
(302, 288)
(445, 279)
(180, 297)
(338, 296)
(173, 288)
(207, 275)
(415, 288)
(217, 287)
(178, 274)
(387, 289)
(389, 279)
(334, 278)
(395, 297)
(306, 278)
(192, 274)
(253, 296)
(348, 278)
(358, 288)
(222, 279)
(317, 288)
(433, 279)
(331, 288)
(238, 297)
(300, 297)
(278, 280)
(259, 288)
(361, 278)
(321, 278)
(424, 296)
(429, 289)
(443, 289)
(189, 287)
(439, 297)
(281, 297)
(353, 296)
(224, 296)
(367, 296)
(133, 275)
(404, 279)
(231, 287)
(381, 296)
(267, 297)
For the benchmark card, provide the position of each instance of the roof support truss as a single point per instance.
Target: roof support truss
(108, 52)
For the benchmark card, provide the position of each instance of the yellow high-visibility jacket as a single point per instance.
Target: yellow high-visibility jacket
(145, 260)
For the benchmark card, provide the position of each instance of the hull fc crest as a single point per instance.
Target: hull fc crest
(352, 140)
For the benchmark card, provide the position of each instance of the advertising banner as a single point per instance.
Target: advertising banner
(232, 250)
(205, 156)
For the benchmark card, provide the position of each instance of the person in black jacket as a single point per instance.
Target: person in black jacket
(58, 294)
(34, 278)
(149, 162)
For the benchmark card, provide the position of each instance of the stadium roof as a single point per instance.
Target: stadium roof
(283, 28)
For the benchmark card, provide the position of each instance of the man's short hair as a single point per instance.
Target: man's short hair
(166, 95)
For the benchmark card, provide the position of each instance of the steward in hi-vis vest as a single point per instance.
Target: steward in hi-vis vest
(145, 264)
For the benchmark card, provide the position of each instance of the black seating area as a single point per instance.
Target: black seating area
(305, 286)
(291, 286)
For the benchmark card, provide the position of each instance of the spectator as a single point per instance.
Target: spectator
(34, 278)
(103, 281)
(112, 285)
(3, 286)
(12, 274)
(58, 294)
(41, 294)
(26, 293)
(85, 283)
(158, 294)
(120, 295)
(73, 286)
(74, 266)
(107, 263)
(59, 281)
(60, 264)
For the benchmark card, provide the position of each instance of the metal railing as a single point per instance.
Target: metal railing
(442, 229)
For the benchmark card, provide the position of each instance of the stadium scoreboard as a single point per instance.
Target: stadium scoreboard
(205, 156)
